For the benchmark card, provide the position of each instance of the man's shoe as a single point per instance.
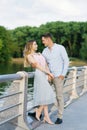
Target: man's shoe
(32, 114)
(58, 121)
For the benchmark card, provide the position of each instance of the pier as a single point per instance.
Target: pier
(16, 102)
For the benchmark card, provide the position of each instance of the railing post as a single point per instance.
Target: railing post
(85, 81)
(74, 92)
(22, 120)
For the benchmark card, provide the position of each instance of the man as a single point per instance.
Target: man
(57, 59)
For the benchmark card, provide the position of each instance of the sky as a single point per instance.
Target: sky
(17, 13)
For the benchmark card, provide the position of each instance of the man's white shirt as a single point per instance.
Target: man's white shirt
(57, 59)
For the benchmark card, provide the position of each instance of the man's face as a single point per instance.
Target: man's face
(45, 41)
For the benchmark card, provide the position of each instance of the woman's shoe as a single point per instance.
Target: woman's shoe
(48, 121)
(38, 114)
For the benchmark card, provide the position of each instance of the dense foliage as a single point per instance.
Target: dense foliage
(73, 35)
(5, 45)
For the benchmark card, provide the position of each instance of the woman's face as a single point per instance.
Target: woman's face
(34, 46)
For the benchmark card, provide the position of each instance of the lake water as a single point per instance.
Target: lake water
(10, 68)
(15, 67)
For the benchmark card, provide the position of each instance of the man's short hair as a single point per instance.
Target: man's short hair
(47, 35)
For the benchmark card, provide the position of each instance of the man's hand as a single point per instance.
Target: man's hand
(61, 77)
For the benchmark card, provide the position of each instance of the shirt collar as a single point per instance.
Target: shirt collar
(52, 47)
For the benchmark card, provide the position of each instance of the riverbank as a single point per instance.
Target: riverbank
(73, 61)
(77, 62)
(18, 60)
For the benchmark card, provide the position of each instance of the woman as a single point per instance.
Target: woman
(43, 93)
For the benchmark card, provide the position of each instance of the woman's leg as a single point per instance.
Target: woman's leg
(46, 115)
(38, 112)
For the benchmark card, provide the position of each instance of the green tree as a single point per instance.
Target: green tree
(69, 34)
(5, 43)
(83, 50)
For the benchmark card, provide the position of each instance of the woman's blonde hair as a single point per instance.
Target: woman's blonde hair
(27, 51)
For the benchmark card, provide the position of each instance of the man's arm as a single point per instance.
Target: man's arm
(65, 61)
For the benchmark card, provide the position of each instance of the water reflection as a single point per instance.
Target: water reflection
(10, 68)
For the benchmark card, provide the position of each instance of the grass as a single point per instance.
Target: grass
(18, 60)
(77, 62)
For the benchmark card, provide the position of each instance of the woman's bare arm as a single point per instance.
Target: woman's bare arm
(49, 77)
(35, 64)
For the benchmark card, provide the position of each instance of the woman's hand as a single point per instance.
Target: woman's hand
(50, 76)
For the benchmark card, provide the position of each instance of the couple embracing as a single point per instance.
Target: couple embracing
(52, 64)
